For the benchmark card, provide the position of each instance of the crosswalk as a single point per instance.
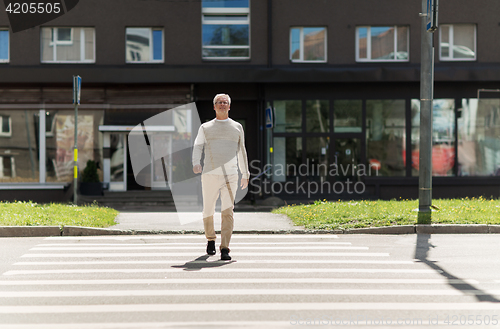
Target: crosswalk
(273, 281)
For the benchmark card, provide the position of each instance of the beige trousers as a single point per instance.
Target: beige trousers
(214, 186)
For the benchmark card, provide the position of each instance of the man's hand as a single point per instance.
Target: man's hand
(244, 183)
(197, 169)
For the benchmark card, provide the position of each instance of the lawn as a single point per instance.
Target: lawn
(329, 215)
(33, 214)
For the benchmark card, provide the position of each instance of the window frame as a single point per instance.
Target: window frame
(301, 45)
(451, 43)
(229, 11)
(8, 45)
(12, 166)
(9, 133)
(55, 44)
(368, 59)
(151, 51)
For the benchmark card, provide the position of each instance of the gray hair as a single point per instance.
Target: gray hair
(220, 95)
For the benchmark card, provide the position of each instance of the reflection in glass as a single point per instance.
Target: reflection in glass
(144, 44)
(287, 158)
(162, 144)
(225, 3)
(443, 136)
(60, 144)
(70, 44)
(362, 42)
(314, 43)
(308, 44)
(478, 141)
(19, 147)
(223, 35)
(317, 116)
(317, 158)
(138, 44)
(382, 42)
(68, 49)
(288, 116)
(402, 42)
(157, 45)
(226, 52)
(117, 157)
(385, 136)
(295, 44)
(347, 116)
(457, 41)
(348, 157)
(4, 45)
(445, 40)
(463, 41)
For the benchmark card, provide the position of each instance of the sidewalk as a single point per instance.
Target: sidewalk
(169, 222)
(135, 223)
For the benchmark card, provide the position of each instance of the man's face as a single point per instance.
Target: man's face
(222, 105)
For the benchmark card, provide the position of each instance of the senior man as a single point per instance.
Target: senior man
(222, 141)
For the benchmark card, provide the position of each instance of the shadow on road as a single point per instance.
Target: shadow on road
(421, 253)
(201, 263)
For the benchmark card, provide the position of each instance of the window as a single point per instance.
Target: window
(443, 136)
(4, 45)
(225, 29)
(7, 167)
(457, 42)
(478, 142)
(68, 45)
(347, 116)
(317, 116)
(308, 44)
(288, 117)
(382, 43)
(144, 45)
(19, 149)
(5, 126)
(385, 137)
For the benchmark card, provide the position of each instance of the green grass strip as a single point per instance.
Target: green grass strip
(328, 215)
(33, 214)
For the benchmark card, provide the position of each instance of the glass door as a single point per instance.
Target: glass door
(118, 158)
(162, 145)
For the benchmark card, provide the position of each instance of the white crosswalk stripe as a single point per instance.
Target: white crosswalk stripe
(273, 281)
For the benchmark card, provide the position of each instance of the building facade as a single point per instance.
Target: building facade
(342, 79)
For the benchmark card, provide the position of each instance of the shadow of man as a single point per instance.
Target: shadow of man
(202, 262)
(421, 252)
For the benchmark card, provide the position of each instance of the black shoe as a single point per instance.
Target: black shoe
(225, 254)
(211, 247)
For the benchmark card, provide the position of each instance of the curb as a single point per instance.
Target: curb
(29, 231)
(44, 231)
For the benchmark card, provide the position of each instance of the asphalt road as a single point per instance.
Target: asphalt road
(273, 281)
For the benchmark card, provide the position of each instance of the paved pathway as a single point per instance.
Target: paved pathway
(170, 221)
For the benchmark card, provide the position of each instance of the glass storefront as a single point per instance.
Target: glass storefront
(332, 133)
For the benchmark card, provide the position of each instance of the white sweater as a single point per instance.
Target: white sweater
(223, 142)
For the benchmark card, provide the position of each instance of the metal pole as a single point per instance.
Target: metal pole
(75, 158)
(426, 97)
(76, 101)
